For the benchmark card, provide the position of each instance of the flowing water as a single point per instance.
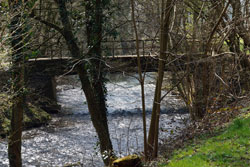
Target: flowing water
(71, 137)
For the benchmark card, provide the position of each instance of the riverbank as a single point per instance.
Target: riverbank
(221, 139)
(33, 116)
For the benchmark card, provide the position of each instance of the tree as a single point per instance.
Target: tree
(141, 81)
(17, 44)
(197, 78)
(242, 32)
(96, 92)
(89, 66)
(154, 124)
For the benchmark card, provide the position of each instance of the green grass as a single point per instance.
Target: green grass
(229, 148)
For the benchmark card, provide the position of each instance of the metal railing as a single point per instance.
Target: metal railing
(128, 47)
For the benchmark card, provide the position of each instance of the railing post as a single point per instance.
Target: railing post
(143, 51)
(51, 53)
(61, 53)
(113, 49)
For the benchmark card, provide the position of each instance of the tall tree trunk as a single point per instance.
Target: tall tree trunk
(17, 43)
(154, 124)
(92, 81)
(94, 16)
(141, 80)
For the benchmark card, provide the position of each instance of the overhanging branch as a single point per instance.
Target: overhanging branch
(49, 24)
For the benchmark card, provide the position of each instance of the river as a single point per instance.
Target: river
(71, 138)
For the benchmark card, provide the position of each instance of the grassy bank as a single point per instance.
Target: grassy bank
(229, 146)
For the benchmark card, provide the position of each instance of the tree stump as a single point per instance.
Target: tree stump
(128, 161)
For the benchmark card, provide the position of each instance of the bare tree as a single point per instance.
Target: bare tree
(141, 80)
(154, 124)
(18, 45)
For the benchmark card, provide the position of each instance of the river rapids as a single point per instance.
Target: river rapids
(70, 137)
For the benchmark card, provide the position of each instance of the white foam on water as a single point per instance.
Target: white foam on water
(123, 95)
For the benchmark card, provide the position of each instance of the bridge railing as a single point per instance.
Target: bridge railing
(128, 47)
(110, 48)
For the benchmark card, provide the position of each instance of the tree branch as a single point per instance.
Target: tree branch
(216, 25)
(49, 24)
